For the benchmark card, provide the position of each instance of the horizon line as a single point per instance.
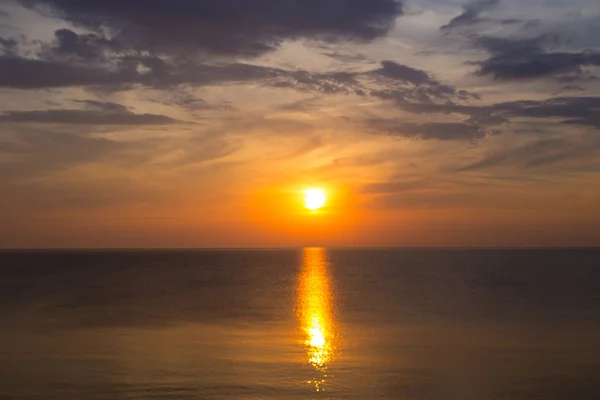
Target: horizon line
(234, 248)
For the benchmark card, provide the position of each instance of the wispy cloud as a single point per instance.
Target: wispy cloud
(100, 114)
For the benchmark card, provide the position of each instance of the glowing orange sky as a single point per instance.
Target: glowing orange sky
(420, 121)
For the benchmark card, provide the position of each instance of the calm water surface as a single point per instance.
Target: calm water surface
(301, 324)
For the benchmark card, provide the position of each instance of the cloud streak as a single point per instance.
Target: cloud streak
(538, 154)
(429, 131)
(565, 110)
(471, 14)
(100, 114)
(26, 73)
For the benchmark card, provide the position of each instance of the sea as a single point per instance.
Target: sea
(312, 323)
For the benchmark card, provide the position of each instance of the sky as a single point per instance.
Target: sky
(198, 123)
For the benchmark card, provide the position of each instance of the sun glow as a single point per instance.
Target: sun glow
(314, 199)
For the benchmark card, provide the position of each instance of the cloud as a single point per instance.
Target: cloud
(521, 59)
(26, 151)
(25, 73)
(424, 94)
(571, 110)
(545, 152)
(569, 88)
(71, 45)
(233, 27)
(406, 84)
(200, 148)
(304, 105)
(28, 73)
(104, 106)
(319, 83)
(522, 46)
(346, 58)
(471, 14)
(172, 43)
(45, 149)
(568, 110)
(395, 186)
(524, 152)
(589, 120)
(72, 63)
(429, 131)
(8, 46)
(397, 79)
(191, 103)
(100, 114)
(487, 120)
(400, 72)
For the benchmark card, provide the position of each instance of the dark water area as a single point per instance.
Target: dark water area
(300, 324)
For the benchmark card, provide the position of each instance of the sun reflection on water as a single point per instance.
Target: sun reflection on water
(316, 314)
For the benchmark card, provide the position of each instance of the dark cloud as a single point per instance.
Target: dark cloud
(570, 110)
(569, 88)
(168, 43)
(26, 73)
(486, 119)
(425, 94)
(104, 106)
(404, 84)
(78, 68)
(519, 59)
(471, 17)
(8, 46)
(567, 110)
(226, 26)
(589, 120)
(163, 74)
(534, 66)
(577, 77)
(511, 21)
(191, 103)
(522, 46)
(471, 14)
(71, 45)
(429, 131)
(346, 58)
(534, 23)
(325, 83)
(400, 72)
(398, 79)
(99, 113)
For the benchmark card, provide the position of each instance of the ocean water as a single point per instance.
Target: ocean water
(300, 324)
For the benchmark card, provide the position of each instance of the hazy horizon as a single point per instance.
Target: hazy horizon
(297, 248)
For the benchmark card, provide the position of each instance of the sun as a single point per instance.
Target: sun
(314, 199)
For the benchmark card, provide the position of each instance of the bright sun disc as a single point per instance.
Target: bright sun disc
(314, 199)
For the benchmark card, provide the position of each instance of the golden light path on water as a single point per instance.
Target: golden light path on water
(316, 314)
